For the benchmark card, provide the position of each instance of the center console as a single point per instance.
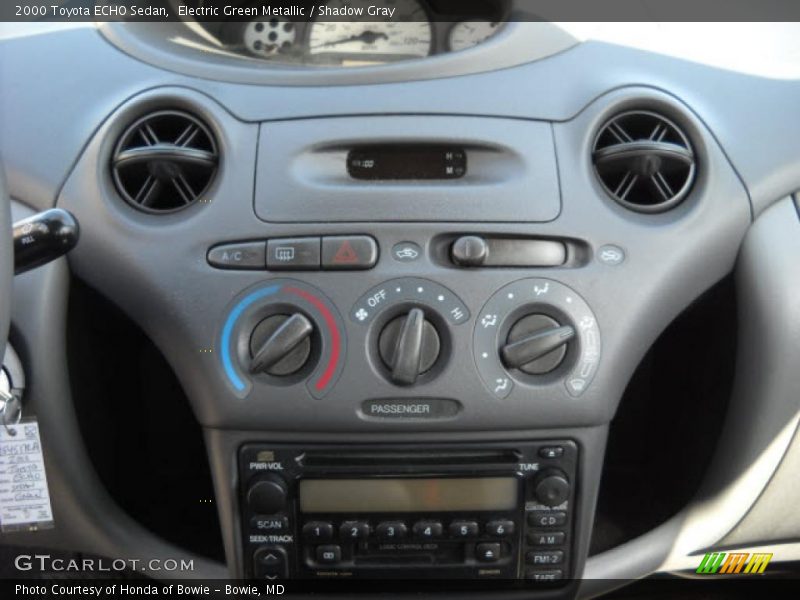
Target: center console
(489, 511)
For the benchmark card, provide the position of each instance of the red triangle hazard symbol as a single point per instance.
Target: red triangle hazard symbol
(345, 255)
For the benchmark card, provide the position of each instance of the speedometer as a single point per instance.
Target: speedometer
(470, 33)
(391, 30)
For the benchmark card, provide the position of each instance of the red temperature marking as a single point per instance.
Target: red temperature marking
(335, 338)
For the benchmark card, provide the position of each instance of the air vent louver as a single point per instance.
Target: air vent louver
(165, 161)
(644, 161)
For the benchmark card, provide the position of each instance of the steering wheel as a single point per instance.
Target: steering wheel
(6, 263)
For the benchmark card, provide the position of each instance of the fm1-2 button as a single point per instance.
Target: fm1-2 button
(391, 530)
(488, 552)
(551, 557)
(349, 252)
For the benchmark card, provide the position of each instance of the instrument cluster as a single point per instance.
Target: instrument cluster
(353, 33)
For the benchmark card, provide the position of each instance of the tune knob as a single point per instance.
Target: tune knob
(281, 344)
(267, 496)
(536, 344)
(409, 345)
(551, 487)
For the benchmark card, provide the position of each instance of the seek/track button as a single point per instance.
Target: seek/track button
(342, 252)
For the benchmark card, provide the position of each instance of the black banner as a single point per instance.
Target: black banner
(403, 10)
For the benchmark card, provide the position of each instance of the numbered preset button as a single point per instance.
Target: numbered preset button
(500, 528)
(427, 530)
(354, 530)
(391, 530)
(463, 529)
(317, 531)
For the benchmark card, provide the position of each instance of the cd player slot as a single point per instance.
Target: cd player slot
(448, 457)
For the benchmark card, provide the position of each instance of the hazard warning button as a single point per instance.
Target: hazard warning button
(349, 252)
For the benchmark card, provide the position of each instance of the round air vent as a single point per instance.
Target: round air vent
(165, 161)
(644, 161)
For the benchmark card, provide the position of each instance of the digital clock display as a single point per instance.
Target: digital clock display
(407, 162)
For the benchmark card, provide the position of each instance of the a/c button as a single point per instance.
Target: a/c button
(244, 255)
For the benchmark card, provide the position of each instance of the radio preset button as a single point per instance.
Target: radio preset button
(391, 530)
(317, 531)
(427, 530)
(489, 552)
(354, 530)
(554, 557)
(463, 529)
(555, 538)
(546, 518)
(329, 555)
(500, 528)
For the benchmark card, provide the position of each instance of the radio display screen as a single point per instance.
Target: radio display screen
(408, 495)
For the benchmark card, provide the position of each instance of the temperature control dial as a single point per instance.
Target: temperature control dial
(281, 344)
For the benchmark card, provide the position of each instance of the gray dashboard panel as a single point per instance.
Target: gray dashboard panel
(747, 114)
(154, 268)
(301, 174)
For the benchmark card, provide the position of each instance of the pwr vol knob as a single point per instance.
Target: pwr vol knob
(267, 495)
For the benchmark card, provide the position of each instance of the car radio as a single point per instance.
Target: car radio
(502, 511)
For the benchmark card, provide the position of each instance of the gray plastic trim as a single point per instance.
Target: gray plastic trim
(301, 175)
(86, 518)
(6, 261)
(754, 470)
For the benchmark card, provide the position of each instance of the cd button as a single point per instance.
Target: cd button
(500, 528)
(391, 530)
(546, 518)
(329, 555)
(317, 531)
(354, 530)
(488, 552)
(427, 530)
(463, 529)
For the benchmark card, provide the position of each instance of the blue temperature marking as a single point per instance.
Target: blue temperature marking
(237, 311)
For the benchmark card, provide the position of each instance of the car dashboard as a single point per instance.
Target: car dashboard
(430, 298)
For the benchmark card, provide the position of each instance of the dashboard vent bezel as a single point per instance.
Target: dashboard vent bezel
(165, 161)
(644, 161)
